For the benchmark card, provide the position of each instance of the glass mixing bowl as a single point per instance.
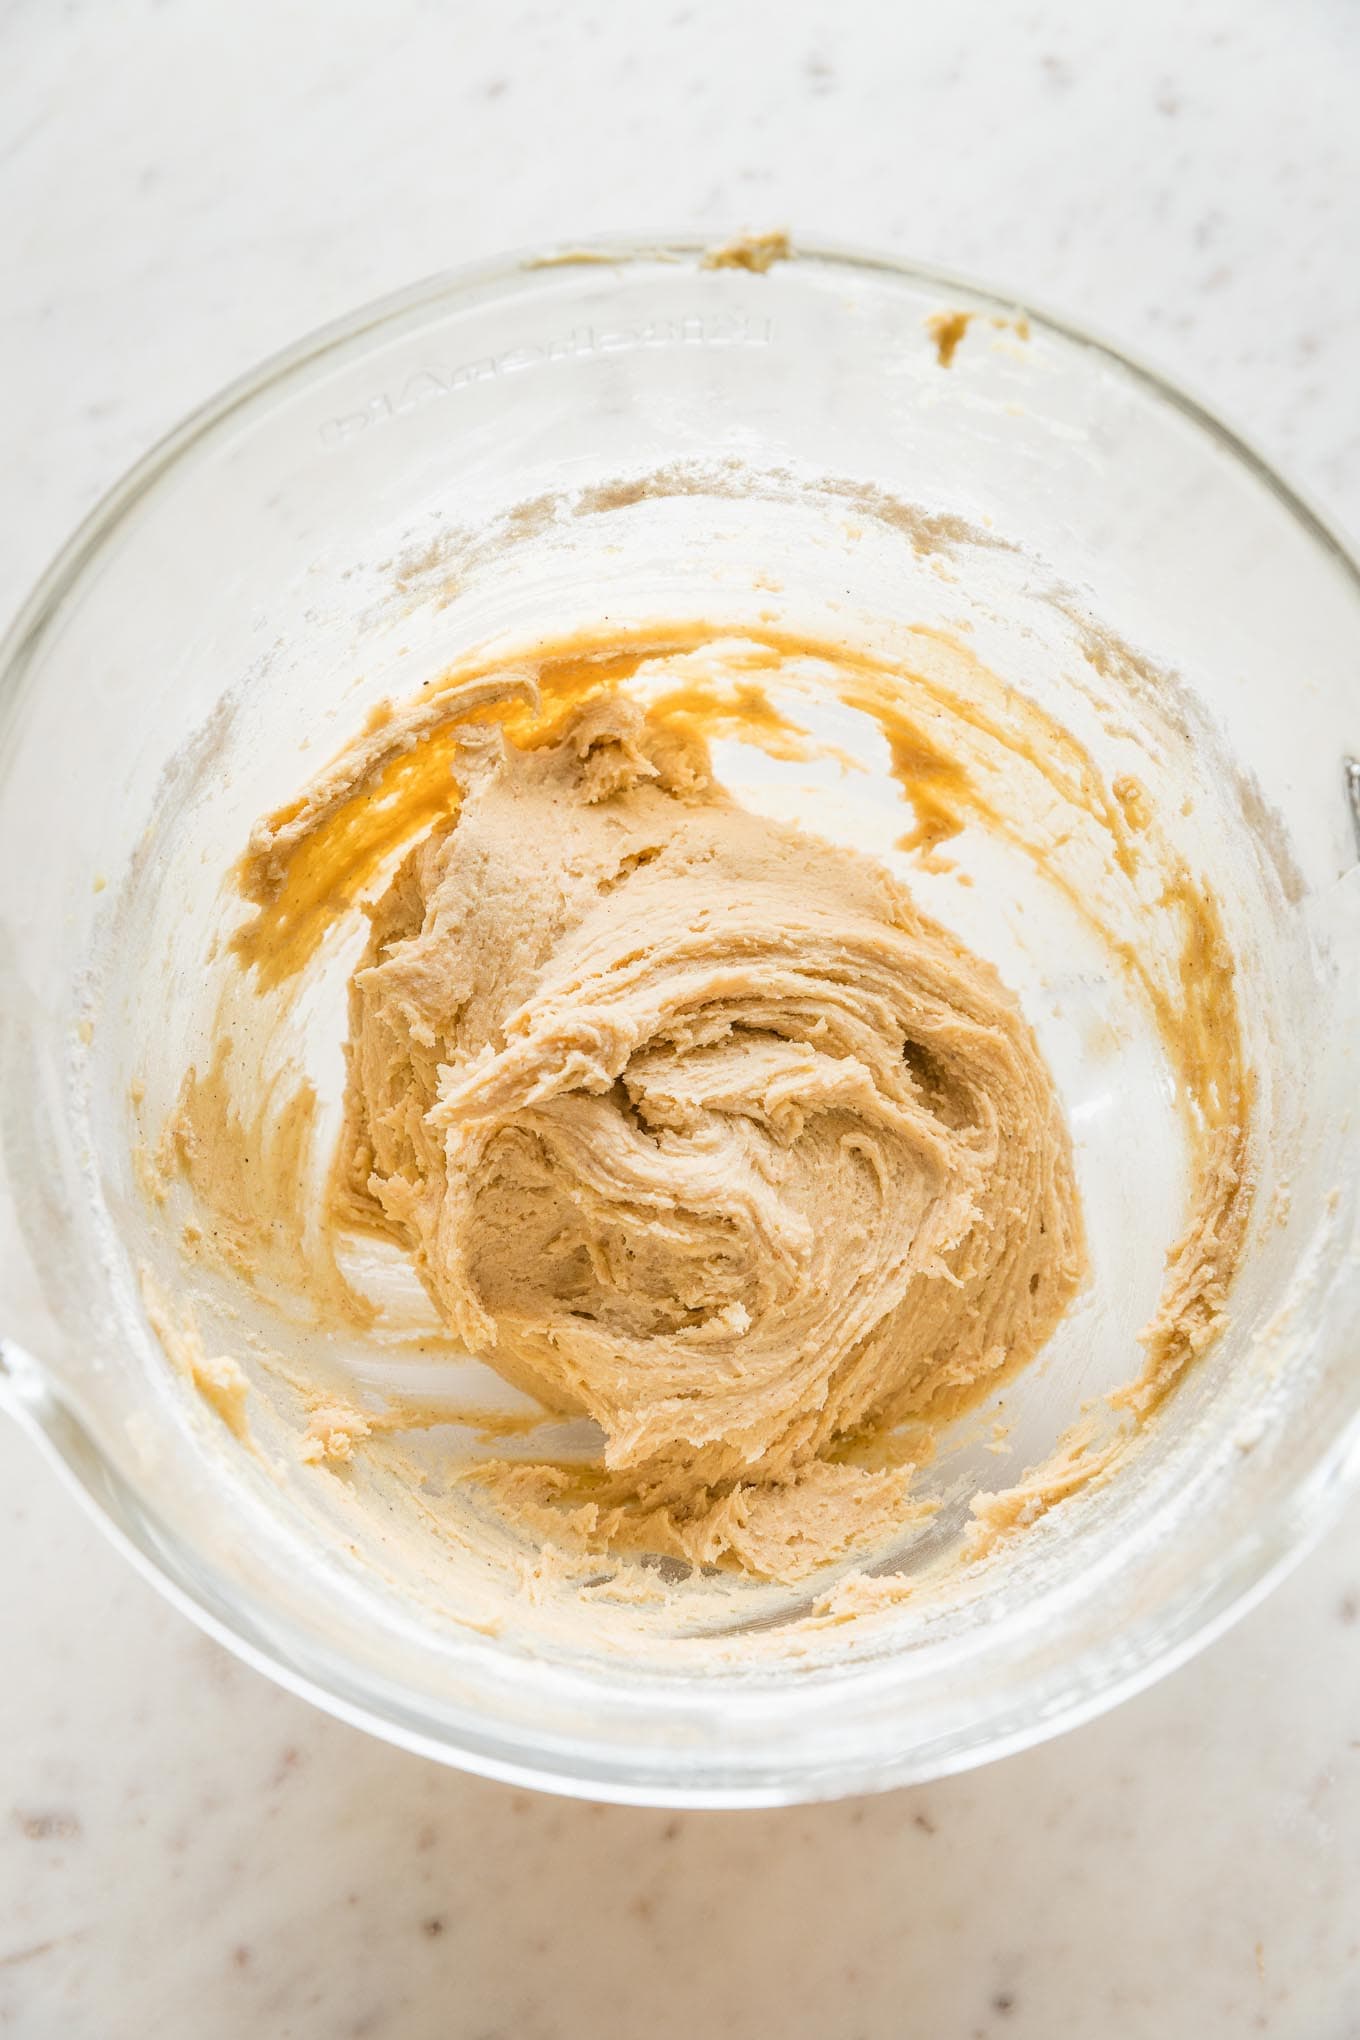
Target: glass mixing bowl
(632, 430)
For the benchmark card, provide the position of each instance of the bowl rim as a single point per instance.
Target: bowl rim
(1246, 1568)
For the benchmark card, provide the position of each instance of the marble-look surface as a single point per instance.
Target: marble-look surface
(184, 1849)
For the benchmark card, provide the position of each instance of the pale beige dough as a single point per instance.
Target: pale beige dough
(693, 1123)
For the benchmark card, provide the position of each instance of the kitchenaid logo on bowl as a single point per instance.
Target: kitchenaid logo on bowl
(429, 385)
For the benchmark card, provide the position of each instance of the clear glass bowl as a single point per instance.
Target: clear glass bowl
(470, 458)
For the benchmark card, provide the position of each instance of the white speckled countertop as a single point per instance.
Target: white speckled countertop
(185, 1850)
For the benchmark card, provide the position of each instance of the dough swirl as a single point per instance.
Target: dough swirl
(694, 1123)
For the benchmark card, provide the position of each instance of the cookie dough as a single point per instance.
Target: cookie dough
(691, 1125)
(696, 1125)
